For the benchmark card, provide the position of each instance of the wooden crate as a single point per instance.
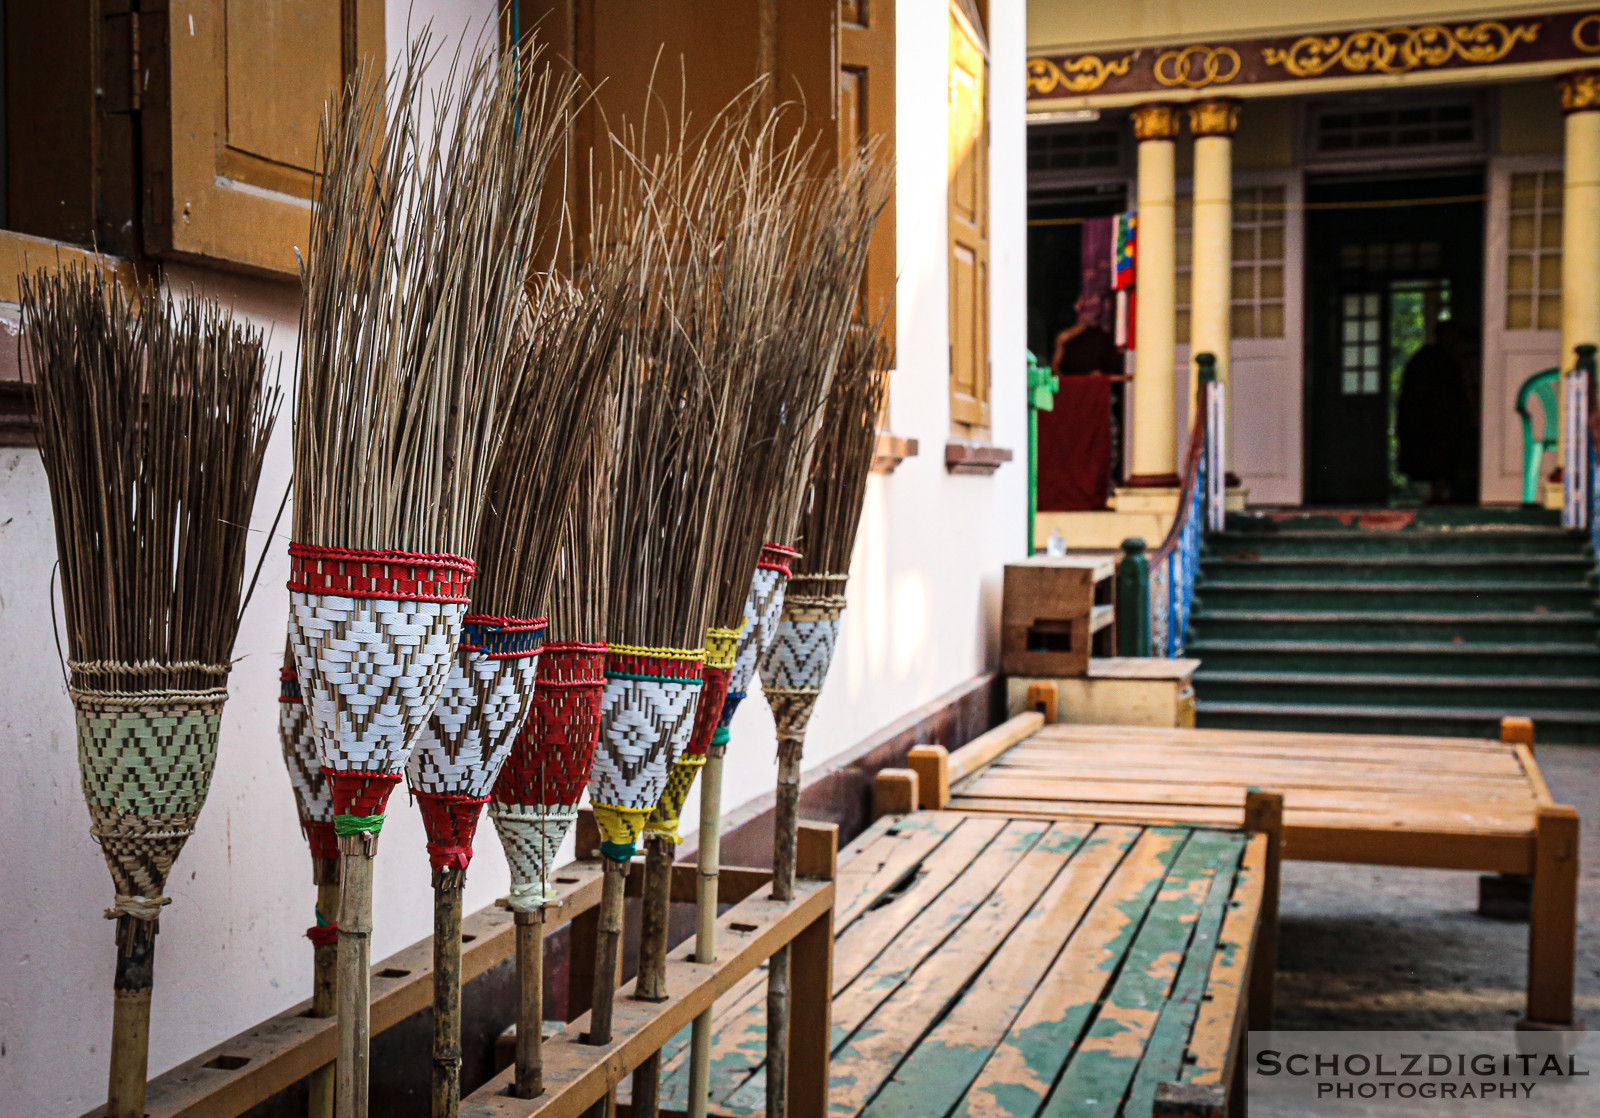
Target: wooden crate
(1117, 691)
(1054, 608)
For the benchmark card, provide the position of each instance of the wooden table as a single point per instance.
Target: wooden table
(1444, 803)
(993, 966)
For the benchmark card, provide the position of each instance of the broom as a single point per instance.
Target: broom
(314, 803)
(412, 292)
(793, 671)
(153, 421)
(567, 350)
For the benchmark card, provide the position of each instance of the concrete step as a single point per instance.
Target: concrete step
(1550, 725)
(1443, 596)
(1408, 626)
(1408, 569)
(1266, 652)
(1474, 692)
(1368, 520)
(1512, 541)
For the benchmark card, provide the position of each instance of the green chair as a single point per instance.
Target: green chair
(1543, 385)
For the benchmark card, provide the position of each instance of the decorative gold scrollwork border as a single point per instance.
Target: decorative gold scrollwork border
(1197, 66)
(1586, 34)
(1083, 74)
(1399, 50)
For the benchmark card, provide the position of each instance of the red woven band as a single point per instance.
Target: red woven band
(635, 665)
(450, 822)
(552, 757)
(357, 793)
(776, 557)
(323, 935)
(400, 575)
(324, 843)
(708, 712)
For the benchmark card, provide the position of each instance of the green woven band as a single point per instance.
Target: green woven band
(720, 736)
(618, 852)
(357, 824)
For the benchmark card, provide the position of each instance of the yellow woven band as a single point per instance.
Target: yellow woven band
(659, 653)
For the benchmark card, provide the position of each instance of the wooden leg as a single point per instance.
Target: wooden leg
(1517, 731)
(894, 792)
(1044, 696)
(447, 886)
(931, 763)
(608, 950)
(811, 975)
(355, 973)
(325, 993)
(1263, 813)
(1553, 923)
(529, 1080)
(130, 1017)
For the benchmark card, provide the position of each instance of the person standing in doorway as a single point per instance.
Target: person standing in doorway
(1432, 419)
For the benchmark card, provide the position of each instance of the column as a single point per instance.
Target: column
(1211, 275)
(1155, 437)
(1580, 218)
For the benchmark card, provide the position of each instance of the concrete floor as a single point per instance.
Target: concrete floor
(1366, 947)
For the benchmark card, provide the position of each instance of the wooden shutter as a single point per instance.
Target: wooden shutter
(866, 100)
(233, 92)
(969, 223)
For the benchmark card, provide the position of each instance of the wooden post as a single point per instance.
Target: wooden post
(529, 1082)
(325, 991)
(1553, 923)
(931, 763)
(608, 950)
(651, 984)
(705, 922)
(1517, 731)
(1133, 599)
(811, 966)
(1263, 812)
(447, 885)
(894, 792)
(130, 1017)
(355, 972)
(1044, 696)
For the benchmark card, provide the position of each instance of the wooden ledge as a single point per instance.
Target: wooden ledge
(891, 450)
(963, 457)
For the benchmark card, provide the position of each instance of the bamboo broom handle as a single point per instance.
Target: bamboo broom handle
(324, 996)
(652, 982)
(786, 824)
(130, 1017)
(447, 884)
(529, 1081)
(607, 951)
(355, 973)
(705, 932)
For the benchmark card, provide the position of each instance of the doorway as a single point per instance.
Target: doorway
(1394, 265)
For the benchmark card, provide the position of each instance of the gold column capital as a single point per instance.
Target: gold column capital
(1215, 116)
(1580, 91)
(1157, 120)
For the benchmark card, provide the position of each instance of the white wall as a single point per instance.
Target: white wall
(923, 617)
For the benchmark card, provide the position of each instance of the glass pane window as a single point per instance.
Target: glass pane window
(1256, 283)
(1533, 251)
(1361, 329)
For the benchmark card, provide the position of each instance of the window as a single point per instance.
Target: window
(969, 223)
(1379, 128)
(1533, 252)
(1361, 343)
(1055, 149)
(1258, 252)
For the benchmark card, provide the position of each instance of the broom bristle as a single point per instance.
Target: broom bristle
(154, 417)
(425, 223)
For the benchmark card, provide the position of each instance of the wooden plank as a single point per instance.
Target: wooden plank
(1104, 812)
(576, 1075)
(1211, 1043)
(1532, 774)
(1439, 850)
(1169, 1042)
(875, 1049)
(1329, 743)
(231, 1077)
(986, 747)
(1502, 766)
(1510, 797)
(1019, 1073)
(947, 1060)
(1105, 1060)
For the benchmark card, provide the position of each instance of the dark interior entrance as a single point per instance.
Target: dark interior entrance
(1392, 265)
(1055, 257)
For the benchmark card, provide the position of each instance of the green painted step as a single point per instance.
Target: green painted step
(1444, 596)
(1396, 625)
(1565, 726)
(1409, 569)
(1507, 694)
(1565, 659)
(1391, 520)
(1356, 545)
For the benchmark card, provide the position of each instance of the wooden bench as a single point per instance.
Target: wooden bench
(1442, 803)
(998, 966)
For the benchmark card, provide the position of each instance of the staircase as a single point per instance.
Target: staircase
(1429, 622)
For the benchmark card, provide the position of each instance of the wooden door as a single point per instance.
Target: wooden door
(969, 223)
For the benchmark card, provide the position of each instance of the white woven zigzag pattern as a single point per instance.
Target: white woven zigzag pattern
(645, 725)
(469, 735)
(532, 836)
(312, 795)
(801, 654)
(370, 671)
(763, 609)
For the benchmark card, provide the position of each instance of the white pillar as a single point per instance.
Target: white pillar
(1211, 271)
(1155, 436)
(1580, 217)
